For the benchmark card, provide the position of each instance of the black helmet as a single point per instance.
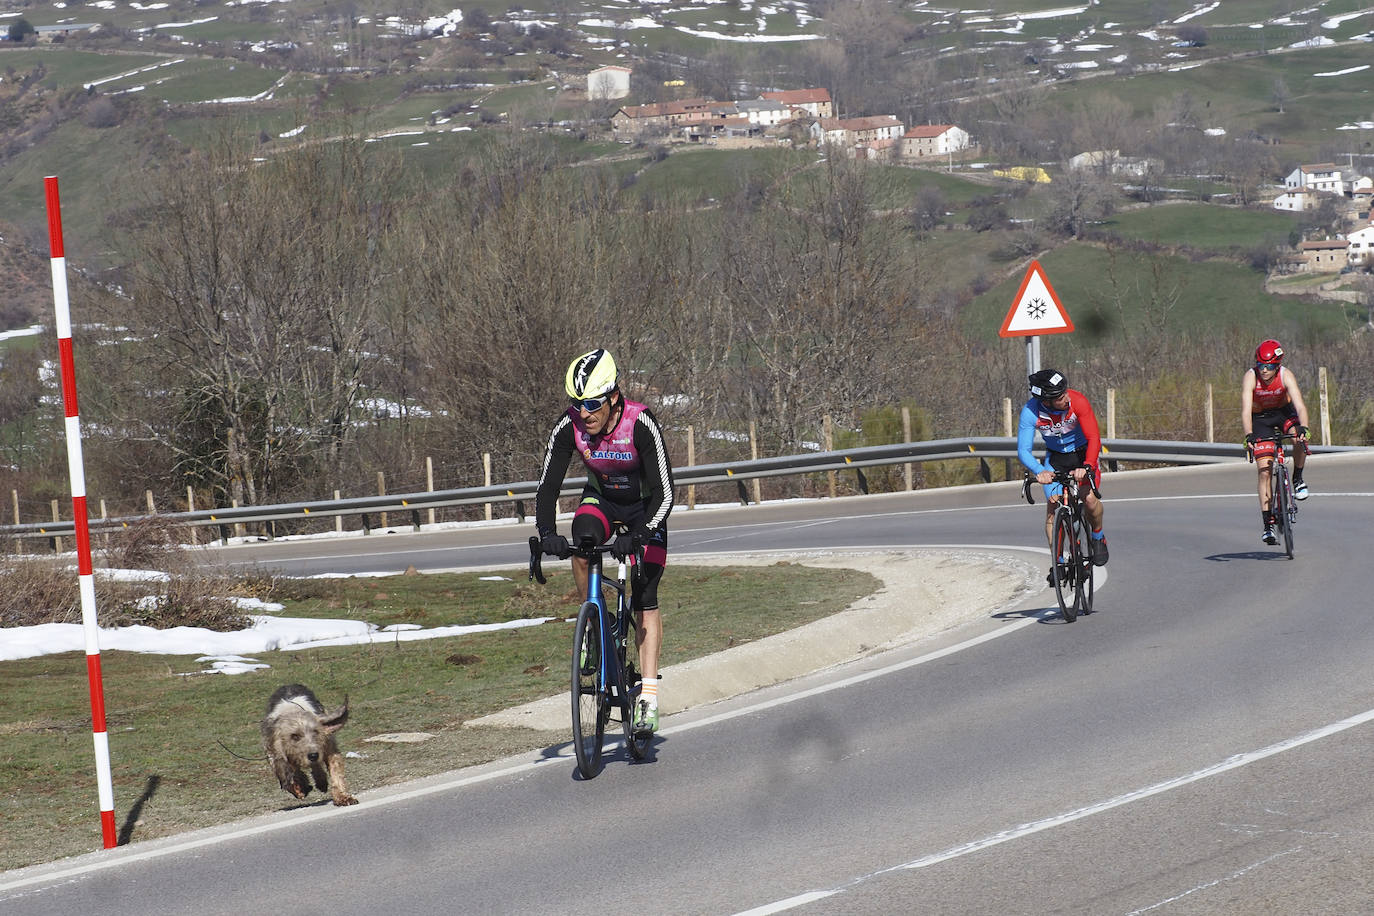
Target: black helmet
(1048, 384)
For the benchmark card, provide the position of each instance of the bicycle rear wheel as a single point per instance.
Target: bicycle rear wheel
(1083, 562)
(1062, 541)
(1282, 504)
(590, 705)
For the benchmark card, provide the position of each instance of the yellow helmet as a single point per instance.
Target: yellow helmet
(592, 376)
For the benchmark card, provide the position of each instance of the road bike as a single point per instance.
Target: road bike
(1282, 503)
(604, 680)
(1071, 544)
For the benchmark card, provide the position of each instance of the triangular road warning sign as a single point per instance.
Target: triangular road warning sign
(1036, 310)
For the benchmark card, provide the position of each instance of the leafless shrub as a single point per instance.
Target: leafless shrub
(144, 544)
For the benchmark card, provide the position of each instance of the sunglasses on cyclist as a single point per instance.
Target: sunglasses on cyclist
(590, 405)
(1272, 367)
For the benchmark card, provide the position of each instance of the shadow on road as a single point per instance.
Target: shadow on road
(1248, 555)
(1041, 614)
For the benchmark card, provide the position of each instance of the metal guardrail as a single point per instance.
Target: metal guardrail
(985, 447)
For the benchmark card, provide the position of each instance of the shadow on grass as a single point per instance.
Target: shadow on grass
(126, 832)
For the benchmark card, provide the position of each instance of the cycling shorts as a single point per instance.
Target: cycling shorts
(598, 515)
(1271, 423)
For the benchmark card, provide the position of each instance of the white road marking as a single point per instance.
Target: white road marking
(1015, 833)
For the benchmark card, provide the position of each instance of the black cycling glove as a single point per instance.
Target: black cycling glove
(627, 545)
(554, 544)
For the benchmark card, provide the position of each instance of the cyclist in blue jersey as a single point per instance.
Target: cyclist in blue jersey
(1066, 422)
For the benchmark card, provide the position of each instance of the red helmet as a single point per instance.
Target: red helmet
(1270, 351)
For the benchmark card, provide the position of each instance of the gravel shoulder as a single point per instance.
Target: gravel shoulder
(924, 593)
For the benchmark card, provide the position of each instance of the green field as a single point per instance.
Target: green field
(1201, 226)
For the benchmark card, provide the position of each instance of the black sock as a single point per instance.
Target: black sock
(1268, 519)
(1297, 475)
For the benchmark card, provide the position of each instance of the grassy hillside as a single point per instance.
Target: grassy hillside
(1106, 291)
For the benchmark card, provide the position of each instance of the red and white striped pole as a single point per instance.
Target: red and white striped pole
(77, 469)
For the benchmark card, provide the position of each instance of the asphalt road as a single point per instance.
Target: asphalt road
(1198, 745)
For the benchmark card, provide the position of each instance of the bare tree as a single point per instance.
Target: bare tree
(1078, 197)
(253, 293)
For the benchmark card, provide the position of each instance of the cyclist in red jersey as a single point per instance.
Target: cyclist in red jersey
(1270, 405)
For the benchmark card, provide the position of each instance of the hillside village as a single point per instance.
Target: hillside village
(806, 117)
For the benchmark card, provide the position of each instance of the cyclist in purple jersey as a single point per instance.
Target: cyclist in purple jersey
(629, 493)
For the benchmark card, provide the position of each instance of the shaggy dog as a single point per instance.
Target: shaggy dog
(299, 739)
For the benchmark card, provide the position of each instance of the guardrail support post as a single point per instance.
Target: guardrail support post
(743, 494)
(224, 535)
(520, 510)
(415, 519)
(863, 481)
(367, 524)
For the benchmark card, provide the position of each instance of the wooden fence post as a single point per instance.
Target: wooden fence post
(1111, 413)
(691, 462)
(381, 491)
(1007, 430)
(104, 515)
(1211, 428)
(1325, 406)
(906, 437)
(148, 495)
(56, 542)
(486, 478)
(828, 445)
(429, 483)
(754, 454)
(338, 519)
(191, 507)
(18, 542)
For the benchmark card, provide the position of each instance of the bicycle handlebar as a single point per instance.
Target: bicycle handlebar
(1064, 478)
(1278, 441)
(586, 548)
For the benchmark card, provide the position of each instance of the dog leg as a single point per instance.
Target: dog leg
(337, 789)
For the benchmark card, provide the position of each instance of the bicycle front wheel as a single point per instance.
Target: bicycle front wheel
(590, 705)
(636, 743)
(1282, 505)
(1063, 548)
(1083, 586)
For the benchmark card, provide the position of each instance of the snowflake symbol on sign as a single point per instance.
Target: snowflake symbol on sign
(1036, 308)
